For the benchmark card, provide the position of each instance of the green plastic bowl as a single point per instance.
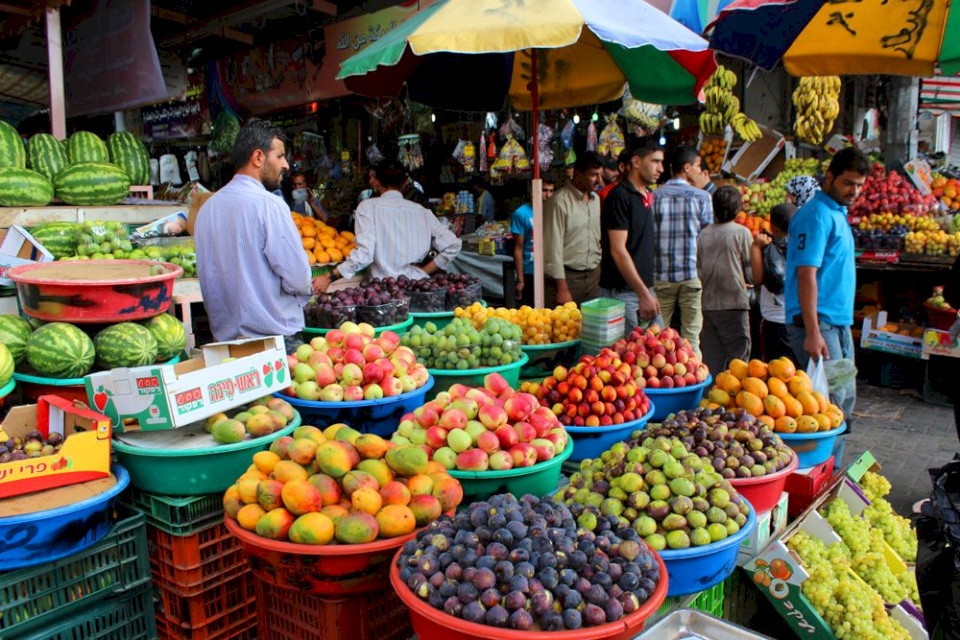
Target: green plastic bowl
(544, 358)
(541, 479)
(446, 378)
(400, 328)
(439, 318)
(192, 472)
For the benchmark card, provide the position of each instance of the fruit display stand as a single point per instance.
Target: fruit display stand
(815, 448)
(187, 462)
(539, 480)
(446, 378)
(591, 442)
(367, 416)
(127, 214)
(668, 401)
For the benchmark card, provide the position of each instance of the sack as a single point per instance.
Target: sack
(818, 377)
(774, 267)
(840, 373)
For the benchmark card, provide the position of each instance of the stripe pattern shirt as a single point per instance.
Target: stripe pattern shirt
(680, 211)
(254, 274)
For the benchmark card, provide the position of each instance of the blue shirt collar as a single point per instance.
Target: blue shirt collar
(828, 202)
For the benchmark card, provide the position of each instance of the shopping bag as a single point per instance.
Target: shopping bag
(818, 376)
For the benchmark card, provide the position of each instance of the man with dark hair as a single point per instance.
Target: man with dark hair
(303, 201)
(521, 227)
(611, 174)
(768, 261)
(681, 210)
(253, 272)
(821, 273)
(410, 190)
(571, 229)
(723, 266)
(395, 235)
(628, 238)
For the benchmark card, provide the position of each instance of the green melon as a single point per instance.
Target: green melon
(169, 334)
(84, 146)
(92, 183)
(12, 151)
(128, 152)
(126, 344)
(60, 350)
(59, 238)
(14, 333)
(46, 155)
(6, 365)
(24, 188)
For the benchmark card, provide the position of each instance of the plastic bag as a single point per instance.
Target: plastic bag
(567, 133)
(611, 138)
(374, 156)
(546, 149)
(840, 373)
(818, 376)
(592, 140)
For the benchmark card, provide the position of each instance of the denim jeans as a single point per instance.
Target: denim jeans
(631, 316)
(839, 345)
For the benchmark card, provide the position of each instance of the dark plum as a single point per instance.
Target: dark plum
(613, 609)
(484, 579)
(540, 603)
(572, 619)
(521, 620)
(474, 612)
(594, 616)
(514, 600)
(595, 595)
(490, 597)
(453, 607)
(552, 621)
(504, 571)
(467, 592)
(518, 583)
(497, 616)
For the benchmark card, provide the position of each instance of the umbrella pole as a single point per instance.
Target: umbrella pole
(536, 191)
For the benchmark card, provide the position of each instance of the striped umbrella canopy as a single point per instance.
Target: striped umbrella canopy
(697, 14)
(842, 37)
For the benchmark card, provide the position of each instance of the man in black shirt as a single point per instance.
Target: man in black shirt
(628, 235)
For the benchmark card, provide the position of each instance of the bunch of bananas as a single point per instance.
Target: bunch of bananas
(723, 108)
(746, 128)
(817, 100)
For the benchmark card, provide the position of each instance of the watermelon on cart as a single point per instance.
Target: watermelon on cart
(169, 334)
(60, 350)
(92, 184)
(24, 188)
(14, 333)
(12, 152)
(129, 153)
(126, 344)
(6, 365)
(84, 146)
(46, 155)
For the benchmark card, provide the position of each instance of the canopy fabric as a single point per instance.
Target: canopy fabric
(696, 14)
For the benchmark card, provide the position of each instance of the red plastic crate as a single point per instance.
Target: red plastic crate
(193, 563)
(239, 623)
(288, 614)
(205, 607)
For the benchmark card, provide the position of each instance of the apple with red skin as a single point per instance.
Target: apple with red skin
(426, 416)
(525, 431)
(545, 449)
(473, 460)
(501, 461)
(508, 436)
(436, 436)
(488, 441)
(666, 371)
(453, 418)
(524, 454)
(353, 393)
(493, 416)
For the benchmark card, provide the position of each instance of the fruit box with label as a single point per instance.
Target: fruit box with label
(769, 525)
(806, 485)
(18, 247)
(939, 343)
(780, 575)
(891, 337)
(83, 456)
(226, 375)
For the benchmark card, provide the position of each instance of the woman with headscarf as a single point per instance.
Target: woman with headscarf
(800, 189)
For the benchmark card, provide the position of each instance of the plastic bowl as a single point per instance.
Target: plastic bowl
(399, 328)
(591, 442)
(433, 624)
(45, 536)
(439, 318)
(544, 358)
(939, 318)
(193, 472)
(763, 492)
(446, 378)
(677, 399)
(95, 291)
(327, 570)
(539, 480)
(366, 416)
(33, 386)
(6, 390)
(699, 568)
(812, 448)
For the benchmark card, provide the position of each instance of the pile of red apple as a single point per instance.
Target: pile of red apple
(663, 359)
(350, 364)
(890, 193)
(599, 391)
(476, 429)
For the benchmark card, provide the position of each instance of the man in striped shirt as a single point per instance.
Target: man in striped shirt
(681, 210)
(254, 275)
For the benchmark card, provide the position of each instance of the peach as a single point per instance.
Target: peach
(352, 374)
(453, 418)
(480, 396)
(372, 373)
(458, 391)
(524, 455)
(391, 387)
(525, 431)
(545, 449)
(488, 441)
(473, 460)
(436, 436)
(495, 383)
(492, 416)
(501, 460)
(426, 416)
(507, 436)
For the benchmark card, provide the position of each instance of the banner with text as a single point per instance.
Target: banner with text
(178, 119)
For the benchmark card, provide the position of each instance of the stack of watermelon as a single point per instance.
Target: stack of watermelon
(62, 350)
(83, 170)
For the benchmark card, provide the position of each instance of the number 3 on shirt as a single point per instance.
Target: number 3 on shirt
(802, 241)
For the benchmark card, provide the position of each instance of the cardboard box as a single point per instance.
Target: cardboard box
(84, 456)
(753, 157)
(939, 343)
(920, 175)
(727, 138)
(806, 485)
(879, 335)
(769, 525)
(168, 396)
(18, 247)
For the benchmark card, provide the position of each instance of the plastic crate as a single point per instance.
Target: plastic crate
(603, 309)
(239, 623)
(205, 607)
(709, 601)
(195, 563)
(296, 615)
(124, 617)
(178, 516)
(35, 596)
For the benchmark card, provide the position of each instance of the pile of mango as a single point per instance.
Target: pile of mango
(322, 243)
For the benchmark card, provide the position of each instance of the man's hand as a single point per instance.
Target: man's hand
(815, 346)
(563, 296)
(519, 288)
(322, 283)
(762, 239)
(649, 306)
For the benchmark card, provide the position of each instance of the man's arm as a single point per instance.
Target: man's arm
(649, 305)
(554, 227)
(706, 212)
(366, 237)
(317, 208)
(446, 243)
(814, 343)
(756, 256)
(284, 253)
(518, 259)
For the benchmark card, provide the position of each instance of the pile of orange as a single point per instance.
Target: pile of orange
(321, 242)
(754, 223)
(777, 393)
(540, 326)
(712, 150)
(948, 191)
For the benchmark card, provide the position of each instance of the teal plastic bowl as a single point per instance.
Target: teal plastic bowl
(439, 318)
(544, 358)
(32, 386)
(446, 378)
(193, 472)
(400, 328)
(539, 480)
(812, 448)
(591, 442)
(676, 399)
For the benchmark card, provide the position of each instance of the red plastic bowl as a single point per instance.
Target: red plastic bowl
(327, 570)
(938, 318)
(433, 624)
(94, 290)
(763, 492)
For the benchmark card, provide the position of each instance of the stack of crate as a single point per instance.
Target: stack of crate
(203, 587)
(603, 324)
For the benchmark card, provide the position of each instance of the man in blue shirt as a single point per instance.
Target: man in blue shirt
(521, 227)
(821, 273)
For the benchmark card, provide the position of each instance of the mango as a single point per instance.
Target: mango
(279, 446)
(358, 479)
(260, 425)
(330, 433)
(328, 488)
(228, 432)
(356, 528)
(312, 528)
(407, 460)
(247, 490)
(394, 493)
(420, 484)
(395, 520)
(282, 406)
(371, 446)
(310, 433)
(367, 500)
(232, 502)
(347, 434)
(335, 459)
(335, 512)
(300, 497)
(249, 516)
(448, 492)
(265, 461)
(274, 524)
(378, 469)
(302, 451)
(425, 509)
(269, 494)
(288, 470)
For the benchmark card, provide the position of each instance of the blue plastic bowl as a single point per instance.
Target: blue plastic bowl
(592, 441)
(812, 448)
(366, 416)
(673, 400)
(699, 568)
(45, 536)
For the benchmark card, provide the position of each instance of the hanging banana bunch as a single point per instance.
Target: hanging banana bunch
(817, 101)
(723, 108)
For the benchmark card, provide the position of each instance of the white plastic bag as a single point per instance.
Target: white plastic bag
(818, 376)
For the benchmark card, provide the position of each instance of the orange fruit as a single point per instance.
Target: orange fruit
(810, 404)
(824, 421)
(782, 368)
(774, 407)
(777, 387)
(739, 368)
(728, 382)
(756, 386)
(807, 424)
(767, 420)
(757, 369)
(793, 407)
(785, 424)
(823, 401)
(750, 403)
(798, 384)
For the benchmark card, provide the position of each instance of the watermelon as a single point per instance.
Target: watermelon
(12, 153)
(6, 365)
(46, 155)
(60, 350)
(59, 238)
(126, 344)
(169, 333)
(14, 332)
(92, 183)
(129, 153)
(84, 146)
(24, 188)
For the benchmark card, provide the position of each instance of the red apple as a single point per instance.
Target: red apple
(508, 436)
(524, 454)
